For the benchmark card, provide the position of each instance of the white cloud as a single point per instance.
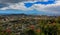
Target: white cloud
(19, 6)
(50, 7)
(40, 7)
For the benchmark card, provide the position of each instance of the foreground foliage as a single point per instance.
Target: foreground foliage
(31, 27)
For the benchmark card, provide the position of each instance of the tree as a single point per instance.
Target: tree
(30, 32)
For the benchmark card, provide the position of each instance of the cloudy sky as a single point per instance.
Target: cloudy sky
(18, 6)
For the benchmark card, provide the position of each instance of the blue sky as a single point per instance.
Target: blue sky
(29, 4)
(18, 7)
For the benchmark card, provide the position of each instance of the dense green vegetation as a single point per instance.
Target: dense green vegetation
(31, 27)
